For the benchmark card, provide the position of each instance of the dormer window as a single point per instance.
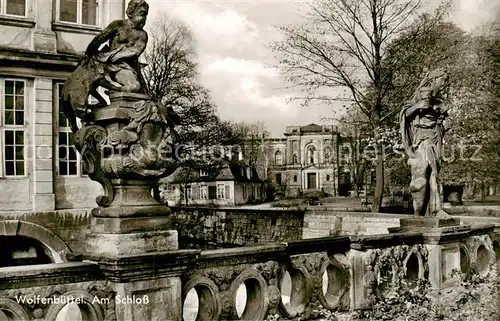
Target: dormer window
(82, 12)
(203, 173)
(13, 7)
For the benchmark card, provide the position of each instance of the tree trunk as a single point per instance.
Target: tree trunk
(379, 184)
(483, 192)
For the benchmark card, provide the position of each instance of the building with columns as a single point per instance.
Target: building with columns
(307, 159)
(40, 44)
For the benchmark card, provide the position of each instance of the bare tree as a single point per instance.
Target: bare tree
(172, 77)
(337, 56)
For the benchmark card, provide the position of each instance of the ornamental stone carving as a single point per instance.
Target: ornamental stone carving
(128, 144)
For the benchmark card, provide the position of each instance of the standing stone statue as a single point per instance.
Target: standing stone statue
(128, 145)
(422, 129)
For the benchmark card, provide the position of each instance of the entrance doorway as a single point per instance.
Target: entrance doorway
(311, 180)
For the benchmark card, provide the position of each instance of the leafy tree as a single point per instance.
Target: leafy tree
(470, 150)
(343, 45)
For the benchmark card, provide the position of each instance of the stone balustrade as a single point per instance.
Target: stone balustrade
(292, 279)
(288, 278)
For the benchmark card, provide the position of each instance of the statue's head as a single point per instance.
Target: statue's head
(432, 84)
(137, 12)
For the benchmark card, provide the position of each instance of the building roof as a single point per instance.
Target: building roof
(226, 172)
(311, 128)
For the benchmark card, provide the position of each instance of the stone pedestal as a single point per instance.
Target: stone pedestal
(443, 245)
(130, 234)
(416, 224)
(112, 237)
(441, 237)
(141, 259)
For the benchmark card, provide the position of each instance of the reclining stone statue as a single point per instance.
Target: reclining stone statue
(111, 61)
(127, 146)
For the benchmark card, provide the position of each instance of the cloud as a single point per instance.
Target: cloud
(216, 26)
(239, 66)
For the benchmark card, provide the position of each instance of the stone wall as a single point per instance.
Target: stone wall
(228, 227)
(319, 223)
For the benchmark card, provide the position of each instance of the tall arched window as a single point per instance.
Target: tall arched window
(310, 154)
(278, 158)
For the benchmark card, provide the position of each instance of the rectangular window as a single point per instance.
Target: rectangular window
(212, 192)
(13, 103)
(220, 191)
(227, 192)
(204, 192)
(68, 160)
(79, 11)
(14, 152)
(70, 163)
(189, 194)
(13, 7)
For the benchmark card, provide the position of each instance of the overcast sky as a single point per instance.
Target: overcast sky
(235, 61)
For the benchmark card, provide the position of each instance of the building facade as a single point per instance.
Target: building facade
(231, 184)
(40, 45)
(308, 158)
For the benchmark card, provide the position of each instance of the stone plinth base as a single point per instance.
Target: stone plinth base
(112, 237)
(114, 225)
(158, 299)
(132, 198)
(113, 245)
(130, 211)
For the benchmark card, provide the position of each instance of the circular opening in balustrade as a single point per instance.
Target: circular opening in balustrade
(483, 260)
(200, 301)
(335, 285)
(11, 311)
(70, 311)
(250, 302)
(412, 267)
(295, 290)
(191, 306)
(464, 260)
(7, 315)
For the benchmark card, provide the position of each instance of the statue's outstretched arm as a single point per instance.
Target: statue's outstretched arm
(105, 35)
(133, 51)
